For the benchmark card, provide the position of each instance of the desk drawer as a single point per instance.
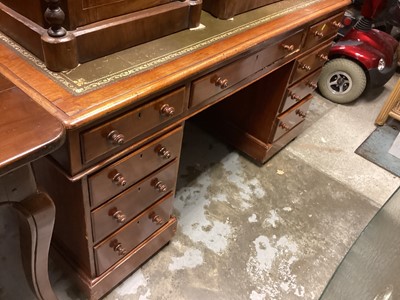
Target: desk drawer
(309, 63)
(291, 118)
(120, 210)
(113, 134)
(136, 231)
(279, 50)
(119, 176)
(222, 79)
(298, 91)
(323, 30)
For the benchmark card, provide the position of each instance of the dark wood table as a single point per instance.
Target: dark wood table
(28, 132)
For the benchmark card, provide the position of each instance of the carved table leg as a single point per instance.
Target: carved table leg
(37, 215)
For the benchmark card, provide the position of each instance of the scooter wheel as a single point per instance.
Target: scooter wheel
(342, 80)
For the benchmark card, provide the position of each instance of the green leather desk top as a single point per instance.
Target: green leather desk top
(106, 70)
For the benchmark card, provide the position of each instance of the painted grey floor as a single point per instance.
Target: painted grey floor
(246, 232)
(370, 270)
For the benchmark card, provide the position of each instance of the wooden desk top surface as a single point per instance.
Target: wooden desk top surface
(27, 130)
(76, 110)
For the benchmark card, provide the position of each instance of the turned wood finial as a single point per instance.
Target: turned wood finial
(55, 17)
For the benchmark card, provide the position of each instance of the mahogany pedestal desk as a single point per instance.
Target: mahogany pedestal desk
(113, 180)
(28, 132)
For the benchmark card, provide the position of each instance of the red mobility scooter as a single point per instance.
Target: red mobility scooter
(362, 58)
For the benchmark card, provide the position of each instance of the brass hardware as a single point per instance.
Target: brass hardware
(304, 67)
(117, 215)
(289, 48)
(312, 85)
(319, 34)
(323, 57)
(116, 138)
(294, 96)
(163, 152)
(117, 247)
(167, 110)
(300, 113)
(222, 83)
(284, 126)
(337, 24)
(156, 219)
(160, 186)
(118, 179)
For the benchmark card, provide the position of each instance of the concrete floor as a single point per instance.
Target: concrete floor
(248, 232)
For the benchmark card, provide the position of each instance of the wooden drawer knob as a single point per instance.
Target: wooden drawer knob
(337, 24)
(167, 110)
(305, 67)
(156, 219)
(119, 180)
(222, 83)
(300, 113)
(116, 138)
(319, 34)
(312, 85)
(323, 57)
(294, 96)
(117, 247)
(284, 126)
(163, 152)
(288, 48)
(160, 186)
(117, 215)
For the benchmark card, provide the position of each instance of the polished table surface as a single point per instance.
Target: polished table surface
(28, 132)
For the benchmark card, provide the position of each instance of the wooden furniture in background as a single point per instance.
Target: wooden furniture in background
(63, 33)
(28, 132)
(225, 9)
(114, 179)
(391, 107)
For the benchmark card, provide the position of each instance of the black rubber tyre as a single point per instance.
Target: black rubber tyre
(342, 81)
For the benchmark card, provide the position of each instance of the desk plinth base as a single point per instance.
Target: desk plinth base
(96, 288)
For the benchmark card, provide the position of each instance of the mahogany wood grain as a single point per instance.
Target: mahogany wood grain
(79, 13)
(225, 9)
(110, 25)
(78, 110)
(132, 202)
(27, 130)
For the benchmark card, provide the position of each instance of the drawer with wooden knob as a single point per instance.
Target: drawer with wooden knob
(323, 30)
(120, 243)
(298, 91)
(279, 50)
(291, 118)
(119, 176)
(310, 62)
(221, 80)
(124, 207)
(113, 134)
